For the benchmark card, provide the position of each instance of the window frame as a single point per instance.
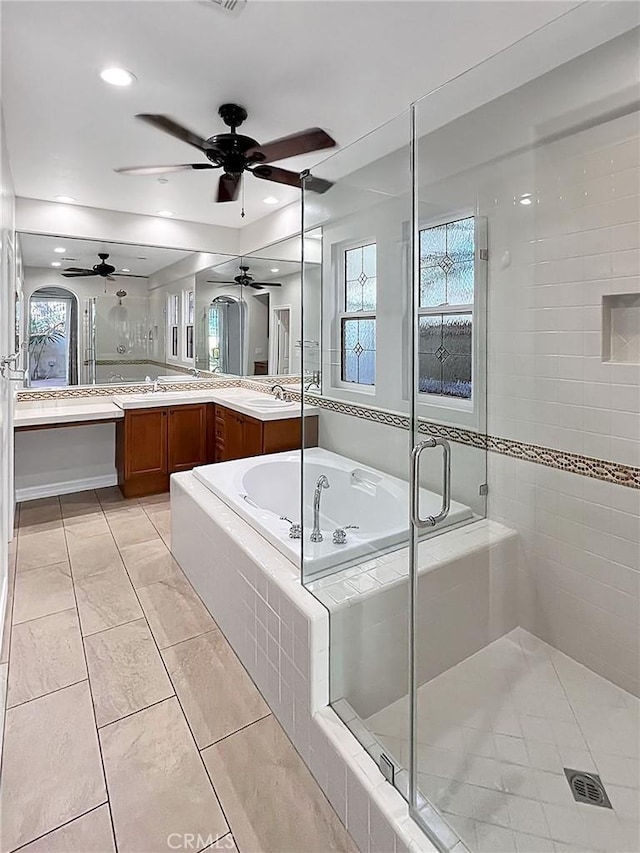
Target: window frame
(342, 314)
(173, 328)
(469, 413)
(188, 318)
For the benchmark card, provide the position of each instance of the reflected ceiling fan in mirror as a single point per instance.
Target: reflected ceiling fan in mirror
(103, 269)
(246, 280)
(234, 153)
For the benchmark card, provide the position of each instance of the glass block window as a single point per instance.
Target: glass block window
(445, 321)
(358, 318)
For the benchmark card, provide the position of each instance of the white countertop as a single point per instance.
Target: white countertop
(262, 407)
(64, 412)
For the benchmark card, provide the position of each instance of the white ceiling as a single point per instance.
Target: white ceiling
(38, 251)
(346, 66)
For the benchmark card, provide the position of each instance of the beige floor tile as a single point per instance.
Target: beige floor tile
(4, 676)
(39, 512)
(91, 833)
(215, 692)
(106, 600)
(149, 562)
(43, 548)
(51, 768)
(161, 520)
(93, 555)
(125, 670)
(157, 784)
(269, 796)
(40, 592)
(152, 501)
(82, 526)
(174, 611)
(78, 504)
(6, 627)
(112, 495)
(129, 529)
(226, 844)
(46, 654)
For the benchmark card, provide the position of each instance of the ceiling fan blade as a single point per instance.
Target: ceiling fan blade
(284, 176)
(266, 284)
(81, 270)
(163, 170)
(210, 281)
(110, 278)
(78, 274)
(168, 125)
(129, 275)
(280, 176)
(312, 139)
(228, 187)
(257, 286)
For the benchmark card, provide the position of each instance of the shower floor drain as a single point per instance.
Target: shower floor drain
(587, 788)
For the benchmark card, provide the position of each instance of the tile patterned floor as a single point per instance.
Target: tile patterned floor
(495, 733)
(131, 725)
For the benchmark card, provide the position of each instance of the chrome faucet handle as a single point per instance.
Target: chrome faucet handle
(295, 531)
(340, 533)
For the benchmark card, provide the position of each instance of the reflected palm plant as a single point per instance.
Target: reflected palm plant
(46, 328)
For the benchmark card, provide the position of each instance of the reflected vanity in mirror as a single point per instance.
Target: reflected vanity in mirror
(97, 312)
(93, 312)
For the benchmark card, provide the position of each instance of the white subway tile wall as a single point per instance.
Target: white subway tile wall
(551, 264)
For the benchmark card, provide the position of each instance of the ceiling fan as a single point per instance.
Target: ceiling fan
(246, 280)
(103, 269)
(234, 153)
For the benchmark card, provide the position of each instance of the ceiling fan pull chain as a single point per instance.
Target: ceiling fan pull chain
(242, 211)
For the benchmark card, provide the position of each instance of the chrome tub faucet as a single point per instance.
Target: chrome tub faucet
(322, 483)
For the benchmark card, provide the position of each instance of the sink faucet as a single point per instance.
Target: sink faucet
(278, 392)
(322, 483)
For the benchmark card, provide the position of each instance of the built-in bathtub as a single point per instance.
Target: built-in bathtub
(265, 491)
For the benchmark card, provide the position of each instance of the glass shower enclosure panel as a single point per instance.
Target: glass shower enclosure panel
(356, 490)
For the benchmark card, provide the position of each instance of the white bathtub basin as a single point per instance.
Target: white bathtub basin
(265, 488)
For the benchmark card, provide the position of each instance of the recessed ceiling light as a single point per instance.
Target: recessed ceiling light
(270, 199)
(525, 200)
(275, 269)
(124, 269)
(65, 199)
(164, 212)
(59, 250)
(56, 264)
(117, 76)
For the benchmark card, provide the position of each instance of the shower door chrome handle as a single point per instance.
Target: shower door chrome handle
(416, 453)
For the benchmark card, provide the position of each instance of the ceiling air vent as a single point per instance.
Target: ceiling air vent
(233, 7)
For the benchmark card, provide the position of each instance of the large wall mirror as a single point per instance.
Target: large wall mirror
(97, 312)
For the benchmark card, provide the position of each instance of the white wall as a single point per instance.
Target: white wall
(7, 341)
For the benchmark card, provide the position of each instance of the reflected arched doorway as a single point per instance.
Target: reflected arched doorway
(53, 337)
(225, 328)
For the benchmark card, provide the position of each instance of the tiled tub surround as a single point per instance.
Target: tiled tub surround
(281, 634)
(467, 598)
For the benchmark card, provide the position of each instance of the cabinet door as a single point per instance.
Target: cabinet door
(252, 437)
(141, 452)
(233, 436)
(187, 437)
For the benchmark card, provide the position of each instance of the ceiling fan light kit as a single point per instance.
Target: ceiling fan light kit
(236, 153)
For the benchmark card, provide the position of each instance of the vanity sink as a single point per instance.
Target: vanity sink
(268, 403)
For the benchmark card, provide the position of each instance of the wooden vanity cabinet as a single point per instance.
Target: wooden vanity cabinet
(152, 444)
(239, 436)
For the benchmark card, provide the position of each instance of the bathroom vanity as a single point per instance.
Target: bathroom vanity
(161, 434)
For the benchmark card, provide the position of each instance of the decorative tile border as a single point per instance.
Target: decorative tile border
(574, 463)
